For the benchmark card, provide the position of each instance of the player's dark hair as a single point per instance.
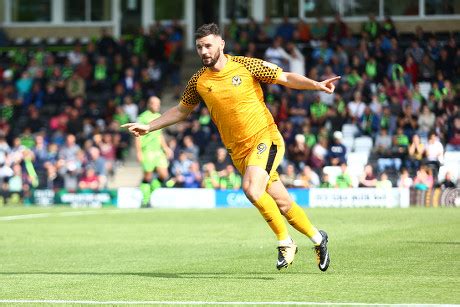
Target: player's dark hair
(207, 29)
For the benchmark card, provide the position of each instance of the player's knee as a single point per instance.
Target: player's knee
(252, 192)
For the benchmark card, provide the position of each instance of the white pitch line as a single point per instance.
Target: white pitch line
(44, 215)
(204, 303)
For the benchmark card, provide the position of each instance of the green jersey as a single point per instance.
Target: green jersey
(150, 141)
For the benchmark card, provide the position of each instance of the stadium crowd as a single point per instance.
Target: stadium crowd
(394, 115)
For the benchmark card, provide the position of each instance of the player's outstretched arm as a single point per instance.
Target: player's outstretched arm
(170, 117)
(299, 82)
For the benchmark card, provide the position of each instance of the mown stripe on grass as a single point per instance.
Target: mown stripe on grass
(204, 303)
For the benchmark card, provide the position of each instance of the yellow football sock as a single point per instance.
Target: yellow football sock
(299, 220)
(272, 215)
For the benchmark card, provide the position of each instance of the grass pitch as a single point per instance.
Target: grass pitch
(227, 255)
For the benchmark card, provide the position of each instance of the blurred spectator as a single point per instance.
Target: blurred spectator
(319, 154)
(368, 178)
(230, 179)
(325, 183)
(337, 29)
(89, 180)
(191, 150)
(447, 182)
(210, 177)
(308, 178)
(337, 151)
(319, 30)
(416, 152)
(288, 177)
(276, 55)
(405, 181)
(298, 152)
(343, 180)
(221, 160)
(384, 182)
(434, 152)
(424, 179)
(192, 178)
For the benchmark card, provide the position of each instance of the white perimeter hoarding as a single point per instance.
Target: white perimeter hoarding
(129, 198)
(359, 198)
(183, 198)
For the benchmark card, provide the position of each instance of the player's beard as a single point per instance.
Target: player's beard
(214, 59)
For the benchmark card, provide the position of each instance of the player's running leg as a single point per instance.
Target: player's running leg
(254, 183)
(296, 216)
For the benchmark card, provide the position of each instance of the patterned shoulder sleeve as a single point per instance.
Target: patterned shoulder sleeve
(263, 71)
(190, 98)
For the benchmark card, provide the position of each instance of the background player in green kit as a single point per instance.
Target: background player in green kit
(152, 152)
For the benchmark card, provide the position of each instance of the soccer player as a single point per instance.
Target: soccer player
(230, 88)
(152, 152)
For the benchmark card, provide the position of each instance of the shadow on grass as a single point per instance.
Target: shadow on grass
(214, 275)
(434, 242)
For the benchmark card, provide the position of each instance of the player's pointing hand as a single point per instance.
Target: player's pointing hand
(328, 85)
(137, 129)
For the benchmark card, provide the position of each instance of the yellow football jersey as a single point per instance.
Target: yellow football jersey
(234, 98)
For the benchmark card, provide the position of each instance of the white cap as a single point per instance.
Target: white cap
(300, 138)
(7, 74)
(338, 135)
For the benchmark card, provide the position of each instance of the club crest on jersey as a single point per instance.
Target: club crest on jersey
(236, 80)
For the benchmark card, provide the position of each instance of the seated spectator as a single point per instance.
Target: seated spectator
(230, 180)
(325, 183)
(288, 177)
(447, 183)
(343, 180)
(337, 151)
(16, 181)
(405, 181)
(192, 178)
(383, 143)
(89, 180)
(416, 153)
(453, 143)
(356, 107)
(434, 152)
(369, 122)
(181, 165)
(424, 179)
(53, 180)
(384, 182)
(210, 177)
(308, 178)
(337, 29)
(191, 150)
(322, 53)
(298, 152)
(99, 164)
(318, 112)
(426, 121)
(70, 172)
(298, 109)
(399, 152)
(319, 30)
(368, 178)
(221, 160)
(319, 152)
(408, 121)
